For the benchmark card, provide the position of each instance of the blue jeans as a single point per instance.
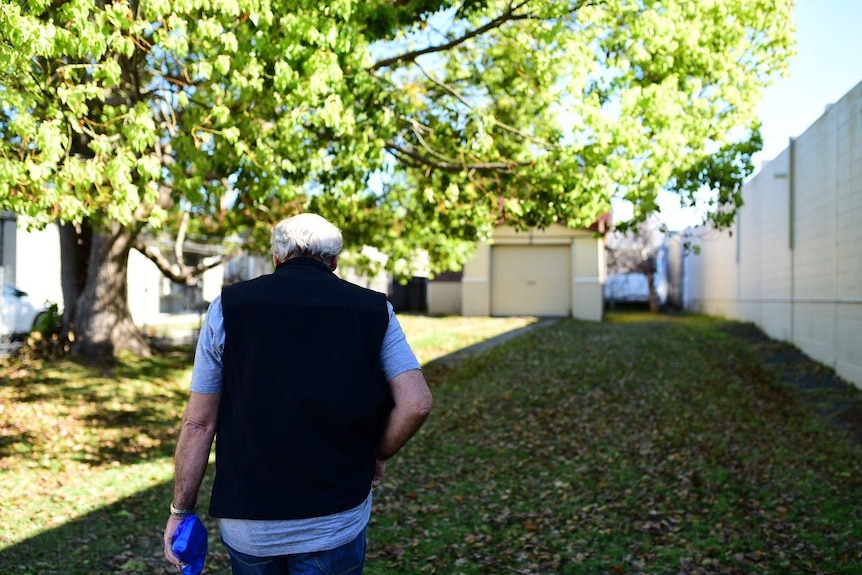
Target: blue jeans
(348, 559)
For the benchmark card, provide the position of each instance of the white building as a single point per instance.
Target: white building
(793, 264)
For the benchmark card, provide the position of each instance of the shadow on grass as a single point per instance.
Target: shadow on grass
(833, 399)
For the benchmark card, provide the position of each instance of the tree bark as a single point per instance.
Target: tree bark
(75, 241)
(103, 325)
(653, 294)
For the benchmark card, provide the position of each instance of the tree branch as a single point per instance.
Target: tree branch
(507, 16)
(181, 236)
(452, 166)
(178, 272)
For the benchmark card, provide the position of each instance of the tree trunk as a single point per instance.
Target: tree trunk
(653, 294)
(75, 242)
(103, 325)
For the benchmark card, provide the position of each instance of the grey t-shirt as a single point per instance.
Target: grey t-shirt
(284, 537)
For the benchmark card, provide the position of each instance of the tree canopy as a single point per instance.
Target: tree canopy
(413, 125)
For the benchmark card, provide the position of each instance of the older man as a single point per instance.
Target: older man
(309, 387)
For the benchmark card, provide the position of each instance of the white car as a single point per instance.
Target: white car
(18, 315)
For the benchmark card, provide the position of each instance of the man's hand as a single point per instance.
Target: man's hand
(170, 530)
(379, 472)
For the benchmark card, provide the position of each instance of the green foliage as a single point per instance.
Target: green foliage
(415, 125)
(724, 172)
(49, 322)
(45, 339)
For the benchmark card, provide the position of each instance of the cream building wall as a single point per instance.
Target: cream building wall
(145, 289)
(476, 283)
(793, 265)
(483, 289)
(444, 297)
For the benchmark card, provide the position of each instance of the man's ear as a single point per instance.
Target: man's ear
(333, 263)
(275, 261)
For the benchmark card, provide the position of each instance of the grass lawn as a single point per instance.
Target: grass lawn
(639, 445)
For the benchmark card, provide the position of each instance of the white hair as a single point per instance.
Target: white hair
(306, 235)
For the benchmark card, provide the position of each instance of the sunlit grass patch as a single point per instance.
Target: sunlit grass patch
(435, 336)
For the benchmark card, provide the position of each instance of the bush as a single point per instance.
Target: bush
(45, 341)
(49, 322)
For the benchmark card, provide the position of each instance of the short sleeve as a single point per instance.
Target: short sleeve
(207, 376)
(396, 356)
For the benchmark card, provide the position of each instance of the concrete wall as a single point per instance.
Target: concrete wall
(8, 227)
(588, 277)
(793, 263)
(146, 286)
(37, 264)
(444, 298)
(476, 283)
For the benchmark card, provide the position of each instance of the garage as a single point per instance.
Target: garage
(531, 280)
(552, 272)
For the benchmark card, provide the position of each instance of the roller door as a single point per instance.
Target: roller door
(531, 280)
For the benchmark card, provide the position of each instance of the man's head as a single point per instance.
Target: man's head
(307, 235)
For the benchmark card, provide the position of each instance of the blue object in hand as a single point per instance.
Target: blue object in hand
(190, 545)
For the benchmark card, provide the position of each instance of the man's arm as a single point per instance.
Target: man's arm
(413, 404)
(191, 458)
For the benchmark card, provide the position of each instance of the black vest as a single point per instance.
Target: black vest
(304, 402)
